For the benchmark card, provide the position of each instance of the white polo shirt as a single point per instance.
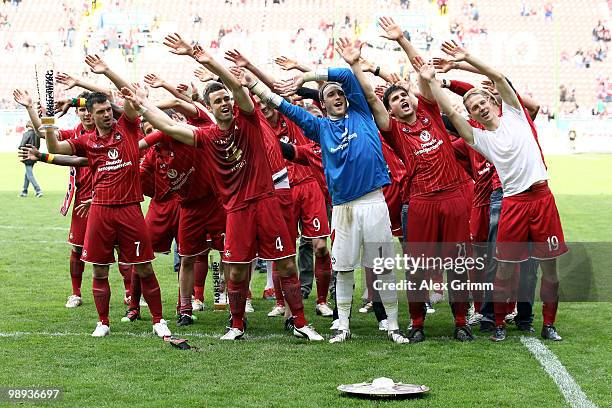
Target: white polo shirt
(513, 150)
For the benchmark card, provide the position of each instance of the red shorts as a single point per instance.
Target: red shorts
(309, 210)
(78, 228)
(530, 216)
(116, 225)
(393, 197)
(257, 230)
(201, 226)
(162, 221)
(479, 225)
(438, 225)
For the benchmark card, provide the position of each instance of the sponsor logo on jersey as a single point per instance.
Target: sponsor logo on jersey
(113, 153)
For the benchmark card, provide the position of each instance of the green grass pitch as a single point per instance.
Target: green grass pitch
(44, 344)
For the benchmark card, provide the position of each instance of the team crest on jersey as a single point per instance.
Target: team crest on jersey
(113, 154)
(285, 139)
(425, 136)
(117, 136)
(172, 173)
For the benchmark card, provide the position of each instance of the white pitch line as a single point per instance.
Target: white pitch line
(34, 226)
(571, 391)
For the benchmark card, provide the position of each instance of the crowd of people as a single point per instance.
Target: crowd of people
(253, 162)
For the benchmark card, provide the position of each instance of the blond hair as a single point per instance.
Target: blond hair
(478, 91)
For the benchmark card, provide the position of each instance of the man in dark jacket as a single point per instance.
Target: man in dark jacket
(30, 137)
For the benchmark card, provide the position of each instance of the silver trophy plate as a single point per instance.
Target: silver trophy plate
(383, 387)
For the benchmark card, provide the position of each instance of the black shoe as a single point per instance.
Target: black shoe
(184, 320)
(463, 333)
(550, 333)
(487, 327)
(416, 335)
(499, 334)
(525, 327)
(131, 315)
(290, 323)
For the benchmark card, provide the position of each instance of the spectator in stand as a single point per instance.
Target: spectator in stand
(548, 11)
(474, 13)
(443, 7)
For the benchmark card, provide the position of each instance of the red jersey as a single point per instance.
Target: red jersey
(272, 148)
(180, 169)
(288, 132)
(237, 158)
(481, 171)
(114, 162)
(426, 151)
(310, 155)
(147, 173)
(397, 170)
(83, 178)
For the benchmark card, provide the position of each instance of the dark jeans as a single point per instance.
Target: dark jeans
(306, 266)
(29, 178)
(528, 270)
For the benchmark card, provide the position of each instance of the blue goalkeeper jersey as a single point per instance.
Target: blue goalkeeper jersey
(351, 148)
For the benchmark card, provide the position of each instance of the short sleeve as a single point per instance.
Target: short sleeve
(65, 134)
(201, 118)
(201, 136)
(155, 137)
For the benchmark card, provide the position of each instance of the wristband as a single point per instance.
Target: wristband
(47, 157)
(318, 75)
(78, 102)
(377, 71)
(445, 83)
(253, 86)
(141, 111)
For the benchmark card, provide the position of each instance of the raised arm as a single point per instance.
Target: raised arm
(155, 81)
(288, 64)
(351, 53)
(55, 146)
(427, 73)
(24, 99)
(394, 32)
(501, 83)
(241, 61)
(72, 82)
(98, 66)
(443, 65)
(181, 47)
(178, 131)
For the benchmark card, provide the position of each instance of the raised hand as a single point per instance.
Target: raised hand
(366, 66)
(350, 52)
(454, 50)
(443, 65)
(96, 64)
(66, 79)
(22, 97)
(427, 72)
(142, 92)
(286, 63)
(28, 152)
(131, 96)
(418, 63)
(153, 81)
(63, 106)
(203, 74)
(393, 31)
(177, 45)
(183, 88)
(290, 86)
(237, 58)
(395, 78)
(380, 91)
(201, 56)
(243, 77)
(489, 86)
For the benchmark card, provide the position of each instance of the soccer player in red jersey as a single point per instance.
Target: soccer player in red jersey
(438, 212)
(234, 150)
(529, 212)
(115, 217)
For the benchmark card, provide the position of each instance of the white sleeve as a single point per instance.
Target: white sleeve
(512, 111)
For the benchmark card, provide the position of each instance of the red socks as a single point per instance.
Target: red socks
(549, 293)
(417, 314)
(101, 294)
(126, 272)
(323, 273)
(293, 295)
(136, 290)
(236, 292)
(200, 270)
(502, 289)
(76, 272)
(278, 290)
(152, 294)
